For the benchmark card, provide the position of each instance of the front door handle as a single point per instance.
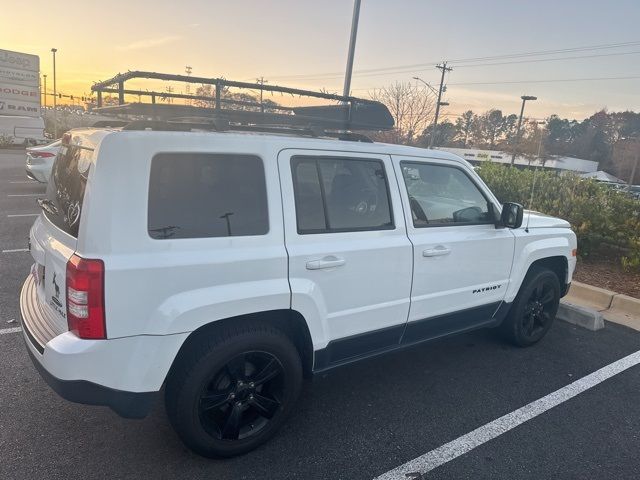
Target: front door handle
(329, 261)
(438, 251)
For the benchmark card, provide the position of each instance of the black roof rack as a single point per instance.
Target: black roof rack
(241, 112)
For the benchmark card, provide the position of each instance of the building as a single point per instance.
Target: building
(556, 162)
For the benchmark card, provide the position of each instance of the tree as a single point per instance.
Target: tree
(464, 125)
(532, 142)
(445, 134)
(412, 108)
(243, 100)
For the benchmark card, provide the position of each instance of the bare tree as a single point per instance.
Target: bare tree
(412, 108)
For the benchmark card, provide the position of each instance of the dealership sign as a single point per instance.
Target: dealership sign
(19, 84)
(15, 107)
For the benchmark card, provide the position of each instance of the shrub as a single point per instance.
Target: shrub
(5, 140)
(598, 214)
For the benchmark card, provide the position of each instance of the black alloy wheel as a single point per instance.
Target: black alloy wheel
(534, 308)
(233, 387)
(539, 309)
(242, 397)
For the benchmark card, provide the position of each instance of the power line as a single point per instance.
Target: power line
(515, 82)
(553, 80)
(550, 59)
(398, 68)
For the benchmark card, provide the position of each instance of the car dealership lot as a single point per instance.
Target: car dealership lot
(357, 422)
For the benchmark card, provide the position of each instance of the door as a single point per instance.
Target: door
(349, 255)
(462, 262)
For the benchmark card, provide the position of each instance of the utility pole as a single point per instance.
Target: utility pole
(524, 100)
(443, 67)
(55, 95)
(352, 47)
(261, 81)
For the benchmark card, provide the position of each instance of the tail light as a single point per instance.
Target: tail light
(85, 297)
(36, 154)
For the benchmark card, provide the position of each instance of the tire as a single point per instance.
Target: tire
(232, 390)
(534, 308)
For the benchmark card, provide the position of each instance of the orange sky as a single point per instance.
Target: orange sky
(303, 43)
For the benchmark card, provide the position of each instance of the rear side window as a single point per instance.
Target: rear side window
(65, 191)
(340, 195)
(199, 195)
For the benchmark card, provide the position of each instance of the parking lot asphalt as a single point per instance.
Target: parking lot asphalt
(357, 422)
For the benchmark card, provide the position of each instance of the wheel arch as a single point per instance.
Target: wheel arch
(288, 321)
(558, 264)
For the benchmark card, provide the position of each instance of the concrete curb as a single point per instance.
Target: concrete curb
(594, 297)
(585, 300)
(580, 315)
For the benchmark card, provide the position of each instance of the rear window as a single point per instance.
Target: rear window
(65, 191)
(198, 195)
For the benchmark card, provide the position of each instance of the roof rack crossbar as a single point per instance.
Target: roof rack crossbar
(329, 118)
(221, 82)
(183, 125)
(350, 113)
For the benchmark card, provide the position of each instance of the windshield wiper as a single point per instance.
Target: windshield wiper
(48, 206)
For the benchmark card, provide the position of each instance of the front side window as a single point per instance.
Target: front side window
(443, 195)
(198, 195)
(340, 194)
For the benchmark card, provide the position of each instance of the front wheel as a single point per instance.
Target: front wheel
(534, 309)
(231, 392)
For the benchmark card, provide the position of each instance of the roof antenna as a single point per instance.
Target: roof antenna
(533, 184)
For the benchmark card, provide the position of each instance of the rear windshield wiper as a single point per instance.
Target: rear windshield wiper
(48, 206)
(164, 232)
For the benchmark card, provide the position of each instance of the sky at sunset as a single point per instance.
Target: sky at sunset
(304, 44)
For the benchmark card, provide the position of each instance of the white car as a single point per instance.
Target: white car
(226, 266)
(40, 161)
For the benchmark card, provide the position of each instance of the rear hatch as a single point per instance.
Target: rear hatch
(54, 235)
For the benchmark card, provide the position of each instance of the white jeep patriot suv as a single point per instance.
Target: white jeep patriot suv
(227, 266)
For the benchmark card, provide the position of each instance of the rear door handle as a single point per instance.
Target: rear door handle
(438, 251)
(329, 261)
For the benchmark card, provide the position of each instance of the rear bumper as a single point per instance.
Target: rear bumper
(124, 374)
(125, 404)
(39, 173)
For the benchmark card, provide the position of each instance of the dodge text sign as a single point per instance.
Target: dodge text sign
(19, 84)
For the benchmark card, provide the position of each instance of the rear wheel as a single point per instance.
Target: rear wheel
(534, 309)
(231, 393)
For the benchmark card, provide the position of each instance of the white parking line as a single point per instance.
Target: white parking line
(417, 467)
(16, 250)
(10, 330)
(23, 215)
(25, 195)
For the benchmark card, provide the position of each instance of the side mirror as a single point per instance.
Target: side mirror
(511, 216)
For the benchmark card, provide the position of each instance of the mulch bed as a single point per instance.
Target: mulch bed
(607, 273)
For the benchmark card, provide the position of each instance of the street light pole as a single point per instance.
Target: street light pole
(435, 92)
(45, 94)
(352, 47)
(524, 99)
(55, 94)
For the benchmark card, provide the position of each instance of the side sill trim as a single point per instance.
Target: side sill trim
(350, 349)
